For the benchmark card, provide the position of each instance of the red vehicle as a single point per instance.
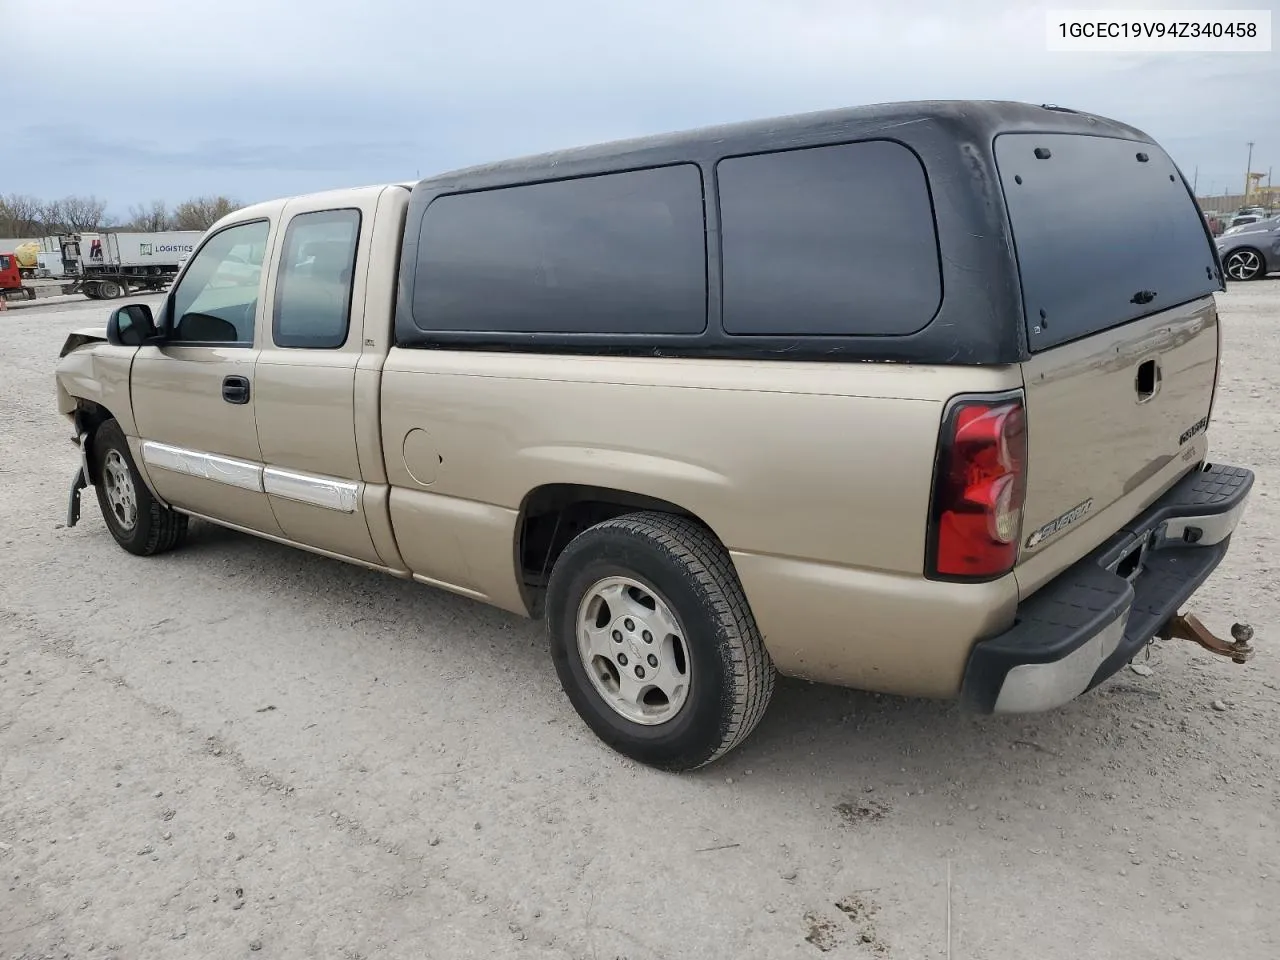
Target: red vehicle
(11, 287)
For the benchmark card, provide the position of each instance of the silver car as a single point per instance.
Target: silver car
(1252, 251)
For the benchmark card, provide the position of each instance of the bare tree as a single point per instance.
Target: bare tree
(19, 215)
(200, 213)
(27, 216)
(51, 216)
(148, 219)
(84, 213)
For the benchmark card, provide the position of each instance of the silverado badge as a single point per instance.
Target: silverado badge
(1197, 427)
(1061, 523)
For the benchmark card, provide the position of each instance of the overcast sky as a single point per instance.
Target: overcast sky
(139, 99)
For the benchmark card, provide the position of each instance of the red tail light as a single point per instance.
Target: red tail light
(978, 489)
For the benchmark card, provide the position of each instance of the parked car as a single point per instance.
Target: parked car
(905, 398)
(1252, 251)
(1242, 220)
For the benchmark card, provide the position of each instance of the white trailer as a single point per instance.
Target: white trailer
(107, 265)
(50, 265)
(147, 252)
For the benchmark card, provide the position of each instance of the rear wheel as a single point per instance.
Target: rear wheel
(1244, 264)
(654, 642)
(137, 521)
(109, 290)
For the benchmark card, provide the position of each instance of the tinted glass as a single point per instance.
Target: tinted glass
(1102, 237)
(833, 240)
(4, 262)
(313, 292)
(217, 298)
(621, 253)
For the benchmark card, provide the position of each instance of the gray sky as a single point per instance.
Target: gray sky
(139, 99)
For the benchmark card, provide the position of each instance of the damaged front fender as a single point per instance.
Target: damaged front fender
(82, 338)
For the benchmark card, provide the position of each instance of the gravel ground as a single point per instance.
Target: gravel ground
(239, 749)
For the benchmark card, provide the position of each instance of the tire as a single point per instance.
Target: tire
(137, 521)
(91, 291)
(109, 290)
(1244, 264)
(680, 567)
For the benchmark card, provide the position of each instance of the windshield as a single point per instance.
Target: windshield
(1105, 232)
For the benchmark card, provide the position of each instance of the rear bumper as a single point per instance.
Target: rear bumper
(1088, 622)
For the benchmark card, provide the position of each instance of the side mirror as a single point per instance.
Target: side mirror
(130, 326)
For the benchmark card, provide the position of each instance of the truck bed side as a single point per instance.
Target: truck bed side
(831, 463)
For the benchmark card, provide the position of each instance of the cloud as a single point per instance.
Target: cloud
(81, 146)
(261, 98)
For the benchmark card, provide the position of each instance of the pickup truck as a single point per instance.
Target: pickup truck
(910, 398)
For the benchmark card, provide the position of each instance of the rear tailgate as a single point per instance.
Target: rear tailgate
(1118, 273)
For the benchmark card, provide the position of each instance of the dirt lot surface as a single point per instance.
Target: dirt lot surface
(242, 750)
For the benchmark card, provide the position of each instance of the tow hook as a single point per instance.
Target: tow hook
(1238, 649)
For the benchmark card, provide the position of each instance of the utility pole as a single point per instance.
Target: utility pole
(1248, 175)
(1195, 179)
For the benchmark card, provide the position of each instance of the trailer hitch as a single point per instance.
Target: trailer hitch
(1188, 627)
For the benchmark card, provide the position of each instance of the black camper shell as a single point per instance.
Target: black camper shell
(940, 232)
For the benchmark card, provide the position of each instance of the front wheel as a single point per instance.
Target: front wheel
(1243, 265)
(137, 521)
(654, 642)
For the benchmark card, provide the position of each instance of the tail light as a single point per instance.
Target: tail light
(978, 489)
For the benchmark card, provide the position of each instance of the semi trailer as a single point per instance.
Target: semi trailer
(109, 265)
(104, 266)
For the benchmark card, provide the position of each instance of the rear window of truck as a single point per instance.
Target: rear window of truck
(1105, 232)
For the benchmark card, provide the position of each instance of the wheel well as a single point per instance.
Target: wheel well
(552, 515)
(89, 416)
(1253, 250)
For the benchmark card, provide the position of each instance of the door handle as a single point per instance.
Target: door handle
(1147, 382)
(235, 389)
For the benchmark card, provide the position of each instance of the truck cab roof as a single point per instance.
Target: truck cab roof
(338, 197)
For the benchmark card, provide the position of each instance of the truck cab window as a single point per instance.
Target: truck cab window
(313, 293)
(217, 298)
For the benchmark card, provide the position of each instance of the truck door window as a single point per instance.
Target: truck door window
(217, 298)
(313, 292)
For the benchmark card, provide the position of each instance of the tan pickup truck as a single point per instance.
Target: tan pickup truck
(910, 398)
